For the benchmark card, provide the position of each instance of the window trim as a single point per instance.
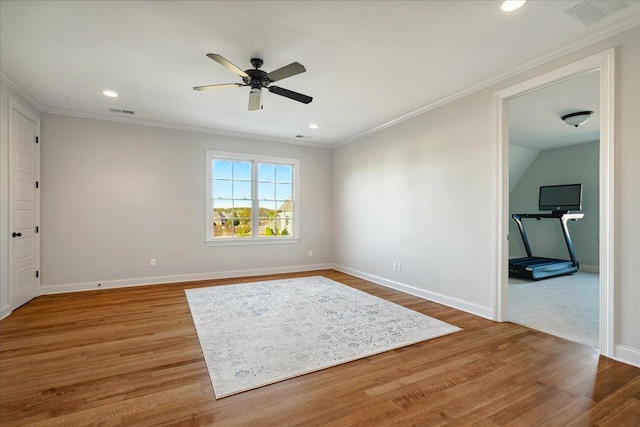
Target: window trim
(254, 159)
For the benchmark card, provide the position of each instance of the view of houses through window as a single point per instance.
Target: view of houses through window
(251, 198)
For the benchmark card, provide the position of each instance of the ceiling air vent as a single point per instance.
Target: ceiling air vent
(117, 110)
(591, 11)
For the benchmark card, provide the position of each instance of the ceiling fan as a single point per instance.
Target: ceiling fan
(259, 79)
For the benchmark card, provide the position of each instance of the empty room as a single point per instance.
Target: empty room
(305, 213)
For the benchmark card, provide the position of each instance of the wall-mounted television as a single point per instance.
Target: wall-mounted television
(560, 198)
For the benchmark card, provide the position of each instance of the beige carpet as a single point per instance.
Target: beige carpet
(565, 306)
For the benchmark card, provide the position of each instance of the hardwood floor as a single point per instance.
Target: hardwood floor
(131, 357)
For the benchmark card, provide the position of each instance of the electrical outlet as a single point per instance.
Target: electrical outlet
(152, 262)
(395, 266)
(399, 267)
(310, 253)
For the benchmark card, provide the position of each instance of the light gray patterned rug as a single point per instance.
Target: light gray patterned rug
(260, 333)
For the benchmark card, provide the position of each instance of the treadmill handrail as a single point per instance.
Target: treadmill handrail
(562, 217)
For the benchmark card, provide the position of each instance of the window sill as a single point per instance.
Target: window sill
(251, 242)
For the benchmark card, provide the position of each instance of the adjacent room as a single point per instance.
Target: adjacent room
(545, 151)
(300, 213)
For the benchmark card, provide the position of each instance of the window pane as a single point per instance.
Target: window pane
(222, 204)
(241, 190)
(285, 209)
(267, 227)
(241, 214)
(242, 227)
(222, 222)
(266, 172)
(283, 173)
(274, 227)
(267, 207)
(242, 170)
(221, 189)
(222, 169)
(283, 191)
(242, 204)
(281, 224)
(266, 191)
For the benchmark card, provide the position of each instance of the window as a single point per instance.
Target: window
(251, 199)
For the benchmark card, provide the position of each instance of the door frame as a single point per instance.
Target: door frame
(603, 62)
(16, 107)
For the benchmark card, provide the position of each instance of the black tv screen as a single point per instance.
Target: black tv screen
(563, 198)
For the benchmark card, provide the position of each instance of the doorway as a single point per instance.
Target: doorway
(603, 63)
(545, 151)
(24, 205)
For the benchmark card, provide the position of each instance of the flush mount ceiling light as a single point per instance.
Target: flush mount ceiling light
(110, 93)
(313, 126)
(577, 119)
(511, 5)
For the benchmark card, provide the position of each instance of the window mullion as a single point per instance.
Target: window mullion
(255, 221)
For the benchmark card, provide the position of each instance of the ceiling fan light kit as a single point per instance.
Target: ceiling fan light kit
(258, 79)
(578, 118)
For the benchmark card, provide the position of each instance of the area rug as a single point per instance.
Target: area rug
(259, 333)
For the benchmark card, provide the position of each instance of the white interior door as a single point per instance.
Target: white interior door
(24, 245)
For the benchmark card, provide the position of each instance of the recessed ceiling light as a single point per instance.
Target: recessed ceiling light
(313, 126)
(110, 93)
(511, 5)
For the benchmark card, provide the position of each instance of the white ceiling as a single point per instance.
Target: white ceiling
(535, 118)
(369, 63)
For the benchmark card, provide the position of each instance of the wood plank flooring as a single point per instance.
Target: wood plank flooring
(131, 357)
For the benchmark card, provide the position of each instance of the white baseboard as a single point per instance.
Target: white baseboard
(456, 303)
(628, 355)
(157, 280)
(590, 268)
(4, 311)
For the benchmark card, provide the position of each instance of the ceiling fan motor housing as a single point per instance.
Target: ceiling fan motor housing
(257, 78)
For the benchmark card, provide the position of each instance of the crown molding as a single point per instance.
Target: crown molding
(632, 20)
(177, 126)
(6, 80)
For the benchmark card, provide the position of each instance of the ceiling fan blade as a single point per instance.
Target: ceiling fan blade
(222, 61)
(286, 71)
(209, 87)
(255, 99)
(290, 94)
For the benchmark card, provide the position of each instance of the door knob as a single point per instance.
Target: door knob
(16, 234)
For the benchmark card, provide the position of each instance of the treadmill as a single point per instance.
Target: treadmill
(537, 268)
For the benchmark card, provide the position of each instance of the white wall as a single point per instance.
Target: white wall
(520, 158)
(421, 193)
(115, 195)
(577, 164)
(5, 94)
